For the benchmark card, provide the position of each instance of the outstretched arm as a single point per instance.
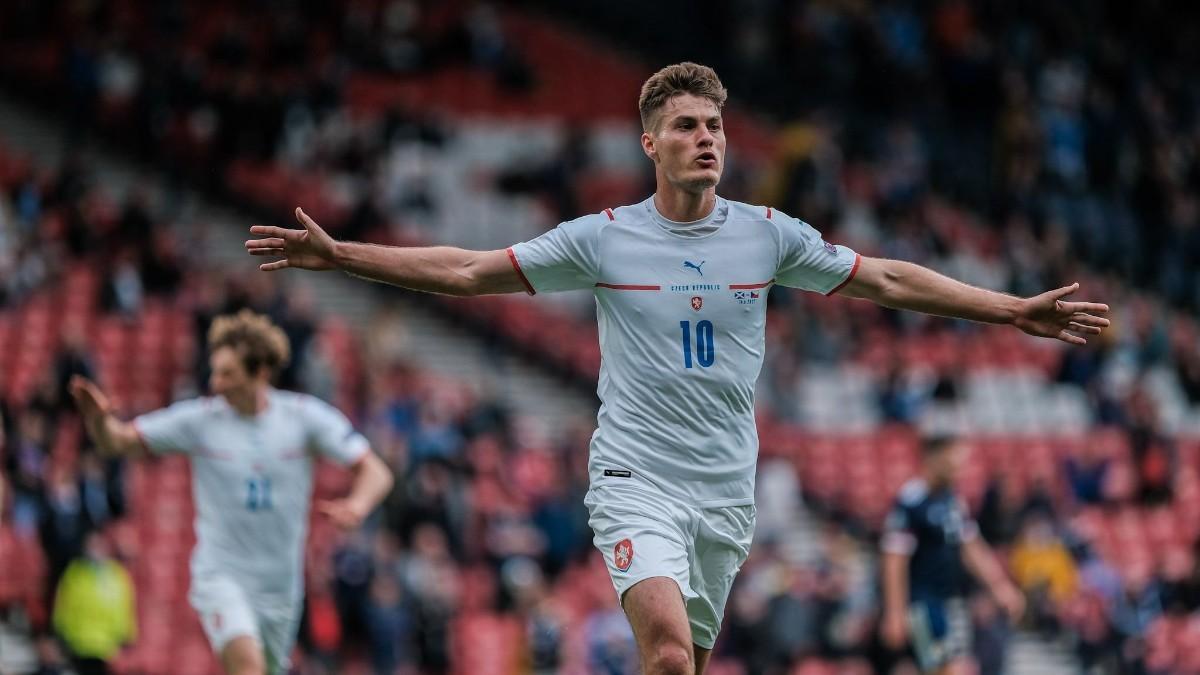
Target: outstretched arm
(433, 269)
(111, 435)
(903, 285)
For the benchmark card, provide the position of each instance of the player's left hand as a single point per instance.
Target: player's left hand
(1048, 315)
(345, 513)
(310, 248)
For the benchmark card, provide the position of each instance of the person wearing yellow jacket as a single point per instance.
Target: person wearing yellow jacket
(94, 611)
(1041, 562)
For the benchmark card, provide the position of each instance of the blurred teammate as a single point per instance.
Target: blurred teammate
(252, 450)
(680, 281)
(930, 544)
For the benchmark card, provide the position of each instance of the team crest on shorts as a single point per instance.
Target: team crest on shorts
(623, 554)
(697, 302)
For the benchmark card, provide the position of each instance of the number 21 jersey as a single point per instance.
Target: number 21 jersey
(681, 309)
(252, 478)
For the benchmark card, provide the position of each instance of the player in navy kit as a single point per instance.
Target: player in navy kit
(680, 281)
(930, 545)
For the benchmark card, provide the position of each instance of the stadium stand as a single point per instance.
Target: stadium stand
(404, 131)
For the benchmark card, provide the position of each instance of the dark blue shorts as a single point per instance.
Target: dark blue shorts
(941, 631)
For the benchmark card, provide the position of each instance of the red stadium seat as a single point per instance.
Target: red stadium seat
(485, 644)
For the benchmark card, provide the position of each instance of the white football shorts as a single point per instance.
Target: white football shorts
(644, 535)
(227, 612)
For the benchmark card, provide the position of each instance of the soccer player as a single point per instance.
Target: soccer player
(929, 545)
(252, 450)
(680, 282)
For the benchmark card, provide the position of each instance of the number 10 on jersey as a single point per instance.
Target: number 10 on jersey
(706, 348)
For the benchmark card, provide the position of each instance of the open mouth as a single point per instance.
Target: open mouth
(708, 159)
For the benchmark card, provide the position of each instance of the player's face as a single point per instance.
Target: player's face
(229, 377)
(688, 147)
(946, 464)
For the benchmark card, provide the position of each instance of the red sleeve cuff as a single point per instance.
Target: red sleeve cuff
(849, 277)
(512, 258)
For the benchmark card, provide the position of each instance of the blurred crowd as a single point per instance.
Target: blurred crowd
(1020, 146)
(203, 87)
(1072, 123)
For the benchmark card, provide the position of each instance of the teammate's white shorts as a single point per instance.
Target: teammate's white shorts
(645, 535)
(227, 611)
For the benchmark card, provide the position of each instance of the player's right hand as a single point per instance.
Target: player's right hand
(894, 629)
(92, 402)
(310, 248)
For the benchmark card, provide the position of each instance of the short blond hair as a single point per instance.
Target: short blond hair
(681, 78)
(255, 338)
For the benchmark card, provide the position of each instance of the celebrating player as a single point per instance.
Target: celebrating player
(680, 281)
(252, 450)
(929, 544)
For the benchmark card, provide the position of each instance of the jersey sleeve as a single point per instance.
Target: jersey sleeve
(331, 435)
(898, 535)
(563, 259)
(809, 262)
(175, 428)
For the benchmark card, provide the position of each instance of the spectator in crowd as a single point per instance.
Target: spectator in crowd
(611, 648)
(1003, 506)
(353, 570)
(25, 462)
(66, 519)
(1153, 451)
(432, 581)
(321, 630)
(902, 396)
(1086, 473)
(1180, 579)
(1186, 354)
(1134, 612)
(94, 611)
(1043, 568)
(389, 625)
(1098, 645)
(73, 358)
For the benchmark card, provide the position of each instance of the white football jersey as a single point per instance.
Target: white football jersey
(682, 311)
(252, 480)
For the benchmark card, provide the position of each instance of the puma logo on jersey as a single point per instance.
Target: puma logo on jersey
(688, 264)
(623, 554)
